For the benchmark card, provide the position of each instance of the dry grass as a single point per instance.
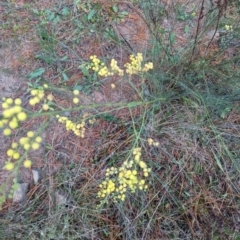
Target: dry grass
(189, 104)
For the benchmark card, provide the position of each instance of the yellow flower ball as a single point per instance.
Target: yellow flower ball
(23, 140)
(8, 113)
(76, 92)
(142, 164)
(26, 146)
(9, 166)
(27, 163)
(35, 146)
(18, 101)
(32, 101)
(17, 109)
(13, 124)
(75, 100)
(37, 99)
(45, 85)
(22, 116)
(14, 145)
(34, 92)
(38, 139)
(82, 135)
(7, 132)
(45, 107)
(145, 174)
(137, 158)
(50, 97)
(30, 134)
(123, 196)
(5, 105)
(134, 172)
(10, 152)
(142, 182)
(41, 95)
(16, 155)
(150, 141)
(9, 101)
(121, 175)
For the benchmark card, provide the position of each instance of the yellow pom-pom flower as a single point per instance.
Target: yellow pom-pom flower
(18, 101)
(22, 116)
(30, 134)
(75, 100)
(26, 146)
(10, 152)
(34, 92)
(23, 140)
(9, 166)
(32, 101)
(8, 113)
(50, 97)
(35, 146)
(27, 163)
(38, 139)
(76, 92)
(7, 132)
(16, 155)
(14, 145)
(13, 124)
(45, 107)
(5, 105)
(9, 101)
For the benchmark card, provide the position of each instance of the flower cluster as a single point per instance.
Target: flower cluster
(129, 176)
(113, 86)
(152, 143)
(135, 65)
(13, 113)
(115, 68)
(98, 66)
(137, 158)
(76, 99)
(30, 141)
(147, 66)
(37, 96)
(48, 102)
(96, 63)
(229, 28)
(77, 128)
(92, 121)
(102, 69)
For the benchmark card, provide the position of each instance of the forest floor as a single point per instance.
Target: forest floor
(189, 104)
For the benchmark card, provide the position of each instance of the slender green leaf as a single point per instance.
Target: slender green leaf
(115, 8)
(65, 76)
(218, 162)
(36, 73)
(91, 14)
